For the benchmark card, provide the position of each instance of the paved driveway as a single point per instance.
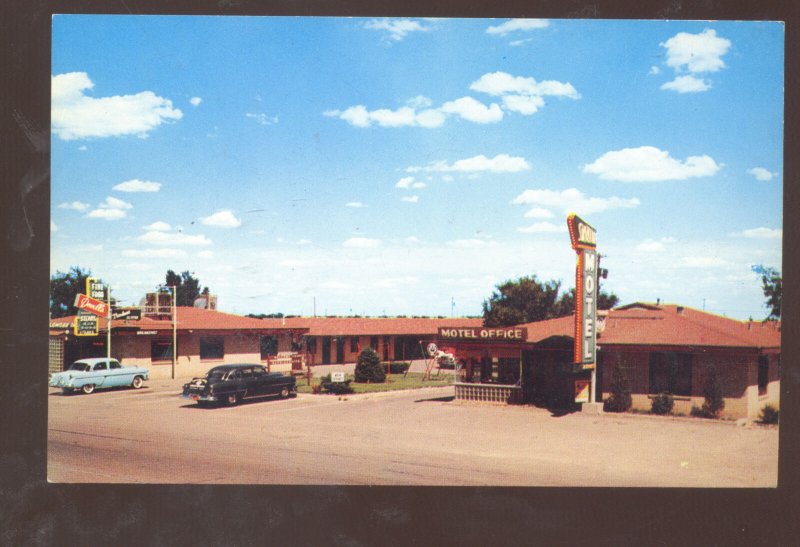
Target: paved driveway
(421, 437)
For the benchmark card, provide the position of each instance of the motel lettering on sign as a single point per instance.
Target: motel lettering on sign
(459, 333)
(584, 241)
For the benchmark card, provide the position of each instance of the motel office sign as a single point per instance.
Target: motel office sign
(584, 241)
(495, 334)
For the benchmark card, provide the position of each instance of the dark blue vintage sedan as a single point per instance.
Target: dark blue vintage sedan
(230, 384)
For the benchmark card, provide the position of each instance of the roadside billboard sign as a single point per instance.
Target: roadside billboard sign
(85, 324)
(128, 314)
(96, 289)
(583, 238)
(581, 391)
(87, 303)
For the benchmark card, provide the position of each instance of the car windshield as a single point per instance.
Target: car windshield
(83, 367)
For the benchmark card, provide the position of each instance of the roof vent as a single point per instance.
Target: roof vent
(679, 309)
(658, 301)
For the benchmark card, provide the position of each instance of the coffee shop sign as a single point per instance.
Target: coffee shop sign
(457, 333)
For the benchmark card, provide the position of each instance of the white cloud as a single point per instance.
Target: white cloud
(195, 101)
(361, 243)
(572, 199)
(647, 164)
(335, 285)
(262, 118)
(473, 110)
(696, 52)
(703, 262)
(354, 204)
(115, 203)
(687, 84)
(111, 209)
(74, 205)
(760, 233)
(543, 227)
(173, 238)
(397, 28)
(761, 174)
(516, 43)
(158, 226)
(404, 182)
(53, 227)
(501, 83)
(154, 253)
(303, 242)
(136, 185)
(473, 243)
(222, 219)
(206, 254)
(538, 212)
(412, 240)
(420, 101)
(654, 70)
(650, 246)
(393, 282)
(410, 199)
(518, 24)
(75, 115)
(501, 163)
(419, 185)
(524, 104)
(405, 116)
(107, 214)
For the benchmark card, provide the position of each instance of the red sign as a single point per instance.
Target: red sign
(97, 307)
(514, 334)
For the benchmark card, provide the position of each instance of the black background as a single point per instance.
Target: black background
(33, 512)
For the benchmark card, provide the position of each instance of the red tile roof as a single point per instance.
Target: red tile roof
(189, 318)
(668, 325)
(373, 326)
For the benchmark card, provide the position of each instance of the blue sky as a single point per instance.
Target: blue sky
(407, 166)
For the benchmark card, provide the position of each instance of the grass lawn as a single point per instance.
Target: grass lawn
(412, 380)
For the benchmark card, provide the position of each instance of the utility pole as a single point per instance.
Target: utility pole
(108, 324)
(173, 289)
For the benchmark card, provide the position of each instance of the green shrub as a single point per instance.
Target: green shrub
(712, 391)
(698, 412)
(368, 368)
(620, 398)
(769, 415)
(662, 404)
(396, 368)
(337, 388)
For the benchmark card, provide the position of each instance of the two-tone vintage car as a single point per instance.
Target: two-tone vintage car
(97, 373)
(230, 384)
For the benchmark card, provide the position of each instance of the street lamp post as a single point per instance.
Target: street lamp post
(174, 329)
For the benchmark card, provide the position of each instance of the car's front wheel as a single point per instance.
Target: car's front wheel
(231, 399)
(88, 388)
(137, 382)
(284, 392)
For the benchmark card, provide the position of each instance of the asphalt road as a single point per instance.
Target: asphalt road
(420, 437)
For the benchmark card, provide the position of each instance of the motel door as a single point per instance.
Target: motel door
(326, 349)
(340, 349)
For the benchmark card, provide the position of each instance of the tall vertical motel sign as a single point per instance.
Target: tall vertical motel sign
(584, 241)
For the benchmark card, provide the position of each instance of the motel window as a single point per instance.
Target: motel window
(212, 347)
(311, 345)
(671, 373)
(269, 346)
(763, 374)
(508, 370)
(373, 342)
(354, 344)
(161, 350)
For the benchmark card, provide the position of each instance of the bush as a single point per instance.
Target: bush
(620, 398)
(368, 368)
(337, 388)
(662, 404)
(769, 415)
(698, 412)
(396, 368)
(712, 391)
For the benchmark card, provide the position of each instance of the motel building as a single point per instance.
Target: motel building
(661, 348)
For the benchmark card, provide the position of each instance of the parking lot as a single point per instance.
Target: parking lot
(420, 437)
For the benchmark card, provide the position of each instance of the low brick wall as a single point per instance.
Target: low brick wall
(489, 393)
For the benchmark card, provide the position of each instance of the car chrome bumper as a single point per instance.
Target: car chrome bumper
(199, 397)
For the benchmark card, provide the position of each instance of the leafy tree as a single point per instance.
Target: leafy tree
(712, 391)
(63, 289)
(772, 286)
(620, 398)
(527, 299)
(368, 367)
(187, 287)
